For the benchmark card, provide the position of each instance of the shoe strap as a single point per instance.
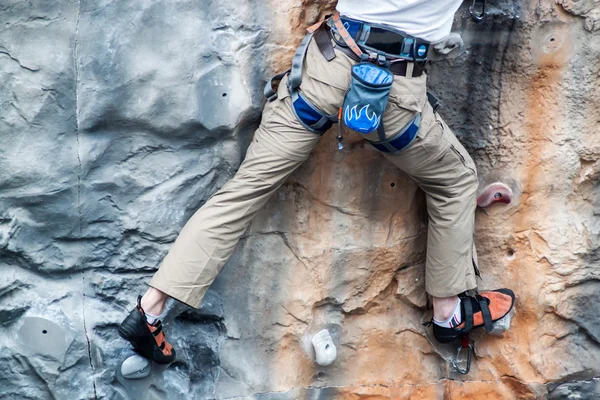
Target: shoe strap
(157, 332)
(485, 311)
(139, 306)
(468, 313)
(158, 329)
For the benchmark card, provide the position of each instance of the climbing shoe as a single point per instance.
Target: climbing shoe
(481, 310)
(147, 339)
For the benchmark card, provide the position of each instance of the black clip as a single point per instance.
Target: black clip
(456, 362)
(477, 16)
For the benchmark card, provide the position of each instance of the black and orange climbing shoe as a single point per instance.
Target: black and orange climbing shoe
(148, 340)
(481, 310)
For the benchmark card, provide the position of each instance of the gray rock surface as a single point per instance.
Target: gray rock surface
(119, 119)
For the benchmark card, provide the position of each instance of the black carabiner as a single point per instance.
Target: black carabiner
(477, 16)
(456, 362)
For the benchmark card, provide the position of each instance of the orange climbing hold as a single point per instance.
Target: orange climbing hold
(496, 192)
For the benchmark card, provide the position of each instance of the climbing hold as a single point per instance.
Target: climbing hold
(503, 324)
(325, 350)
(496, 192)
(43, 337)
(136, 367)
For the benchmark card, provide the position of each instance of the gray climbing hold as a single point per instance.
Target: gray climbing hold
(136, 367)
(43, 337)
(503, 324)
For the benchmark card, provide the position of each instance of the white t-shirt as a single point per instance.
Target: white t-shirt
(429, 20)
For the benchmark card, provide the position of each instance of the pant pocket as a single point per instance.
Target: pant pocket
(465, 158)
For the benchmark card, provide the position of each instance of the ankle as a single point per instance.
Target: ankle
(443, 307)
(153, 301)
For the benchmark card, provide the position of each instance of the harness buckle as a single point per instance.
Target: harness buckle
(456, 363)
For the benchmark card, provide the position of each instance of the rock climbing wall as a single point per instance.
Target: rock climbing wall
(119, 119)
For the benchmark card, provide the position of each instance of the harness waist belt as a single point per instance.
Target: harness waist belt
(397, 68)
(376, 38)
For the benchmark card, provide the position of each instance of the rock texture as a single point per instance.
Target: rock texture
(119, 119)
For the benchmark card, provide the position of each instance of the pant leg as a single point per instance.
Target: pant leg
(444, 170)
(279, 146)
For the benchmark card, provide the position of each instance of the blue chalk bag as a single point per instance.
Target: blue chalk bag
(367, 97)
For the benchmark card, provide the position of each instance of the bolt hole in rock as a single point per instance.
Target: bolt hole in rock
(224, 94)
(44, 331)
(510, 253)
(392, 184)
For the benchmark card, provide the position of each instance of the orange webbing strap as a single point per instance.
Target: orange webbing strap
(315, 27)
(339, 26)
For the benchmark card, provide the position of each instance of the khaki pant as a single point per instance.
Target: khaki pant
(435, 160)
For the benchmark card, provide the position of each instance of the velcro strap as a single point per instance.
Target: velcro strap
(158, 329)
(468, 313)
(162, 345)
(485, 311)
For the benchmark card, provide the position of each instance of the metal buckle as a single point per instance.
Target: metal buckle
(456, 362)
(477, 16)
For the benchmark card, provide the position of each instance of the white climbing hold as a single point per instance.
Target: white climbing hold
(325, 350)
(503, 324)
(136, 367)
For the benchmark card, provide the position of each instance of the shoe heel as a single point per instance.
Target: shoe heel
(129, 328)
(445, 335)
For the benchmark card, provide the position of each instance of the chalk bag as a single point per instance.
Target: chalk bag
(367, 97)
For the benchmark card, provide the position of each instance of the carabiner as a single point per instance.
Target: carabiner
(477, 16)
(456, 362)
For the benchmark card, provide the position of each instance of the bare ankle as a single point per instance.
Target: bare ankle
(153, 301)
(443, 307)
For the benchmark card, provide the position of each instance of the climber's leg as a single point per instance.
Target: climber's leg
(279, 146)
(444, 170)
(210, 236)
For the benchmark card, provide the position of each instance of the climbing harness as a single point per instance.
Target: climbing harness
(378, 41)
(311, 117)
(381, 53)
(478, 15)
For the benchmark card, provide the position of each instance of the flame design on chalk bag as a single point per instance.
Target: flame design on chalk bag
(363, 120)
